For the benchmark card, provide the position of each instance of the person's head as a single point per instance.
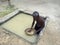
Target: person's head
(35, 13)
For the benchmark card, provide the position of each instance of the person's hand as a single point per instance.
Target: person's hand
(30, 29)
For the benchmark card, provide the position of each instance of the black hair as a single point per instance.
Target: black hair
(35, 13)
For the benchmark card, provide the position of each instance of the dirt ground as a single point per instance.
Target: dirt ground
(51, 35)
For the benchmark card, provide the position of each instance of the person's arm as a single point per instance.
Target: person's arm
(33, 23)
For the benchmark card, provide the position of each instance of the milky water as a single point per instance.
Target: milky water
(18, 25)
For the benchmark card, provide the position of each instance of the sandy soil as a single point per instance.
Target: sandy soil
(51, 35)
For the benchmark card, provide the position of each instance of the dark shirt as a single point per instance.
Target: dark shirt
(39, 20)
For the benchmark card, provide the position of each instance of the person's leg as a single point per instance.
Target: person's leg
(39, 30)
(37, 27)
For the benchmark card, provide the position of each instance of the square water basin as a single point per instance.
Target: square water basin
(18, 24)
